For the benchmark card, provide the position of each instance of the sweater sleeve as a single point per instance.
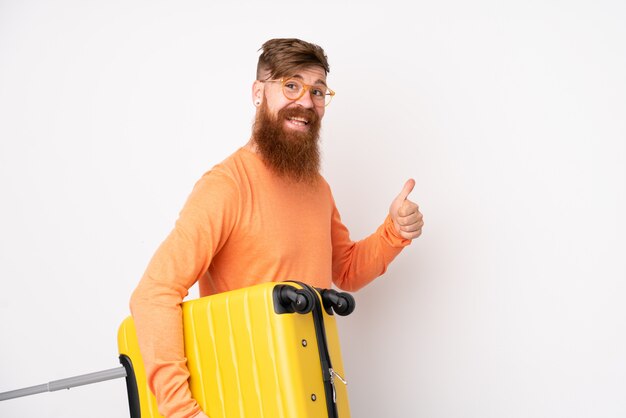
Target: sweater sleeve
(200, 231)
(357, 263)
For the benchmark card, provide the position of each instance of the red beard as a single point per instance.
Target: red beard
(290, 153)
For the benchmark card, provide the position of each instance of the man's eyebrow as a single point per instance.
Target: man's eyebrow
(319, 81)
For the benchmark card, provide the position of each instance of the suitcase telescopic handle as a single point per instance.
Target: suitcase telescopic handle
(70, 382)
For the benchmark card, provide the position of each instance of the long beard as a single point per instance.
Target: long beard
(291, 154)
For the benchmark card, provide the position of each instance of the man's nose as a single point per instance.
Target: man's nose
(306, 100)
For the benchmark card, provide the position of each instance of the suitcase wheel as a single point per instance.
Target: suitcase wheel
(288, 299)
(341, 303)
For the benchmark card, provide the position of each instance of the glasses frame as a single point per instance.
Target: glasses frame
(305, 88)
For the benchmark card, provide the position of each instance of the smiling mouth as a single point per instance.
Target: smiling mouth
(298, 121)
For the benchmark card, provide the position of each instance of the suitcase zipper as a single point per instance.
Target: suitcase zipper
(334, 374)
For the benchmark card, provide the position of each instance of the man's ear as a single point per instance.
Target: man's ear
(257, 92)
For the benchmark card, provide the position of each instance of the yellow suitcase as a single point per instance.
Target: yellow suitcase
(271, 350)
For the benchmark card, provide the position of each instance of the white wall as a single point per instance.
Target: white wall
(510, 116)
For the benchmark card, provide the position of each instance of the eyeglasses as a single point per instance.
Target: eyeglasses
(294, 89)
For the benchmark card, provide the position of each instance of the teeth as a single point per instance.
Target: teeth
(304, 121)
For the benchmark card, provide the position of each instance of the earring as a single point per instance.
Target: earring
(258, 102)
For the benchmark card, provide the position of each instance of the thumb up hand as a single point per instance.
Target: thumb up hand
(405, 214)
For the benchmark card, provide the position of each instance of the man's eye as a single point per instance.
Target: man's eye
(318, 92)
(292, 86)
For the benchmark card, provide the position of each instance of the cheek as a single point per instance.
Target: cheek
(274, 106)
(276, 98)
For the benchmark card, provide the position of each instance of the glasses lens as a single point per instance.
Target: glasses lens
(292, 89)
(318, 94)
(328, 97)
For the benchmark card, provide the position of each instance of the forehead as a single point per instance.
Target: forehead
(310, 75)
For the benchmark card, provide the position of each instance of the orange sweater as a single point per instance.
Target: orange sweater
(243, 225)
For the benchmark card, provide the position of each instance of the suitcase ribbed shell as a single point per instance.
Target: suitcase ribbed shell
(247, 361)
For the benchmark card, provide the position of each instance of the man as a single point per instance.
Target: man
(263, 214)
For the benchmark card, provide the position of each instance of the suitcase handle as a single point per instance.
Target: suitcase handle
(70, 382)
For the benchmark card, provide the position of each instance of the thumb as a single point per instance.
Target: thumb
(406, 190)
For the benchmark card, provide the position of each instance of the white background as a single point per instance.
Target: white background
(511, 116)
